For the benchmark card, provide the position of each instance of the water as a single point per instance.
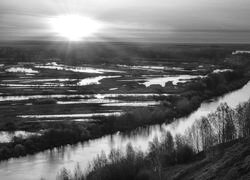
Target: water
(134, 104)
(29, 97)
(162, 80)
(174, 79)
(112, 102)
(86, 115)
(222, 70)
(89, 101)
(94, 80)
(46, 164)
(151, 68)
(61, 67)
(58, 96)
(21, 70)
(240, 52)
(60, 82)
(25, 81)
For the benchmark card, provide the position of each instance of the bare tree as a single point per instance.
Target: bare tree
(155, 151)
(247, 120)
(206, 133)
(194, 137)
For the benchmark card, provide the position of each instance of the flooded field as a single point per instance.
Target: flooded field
(53, 93)
(31, 91)
(47, 164)
(60, 112)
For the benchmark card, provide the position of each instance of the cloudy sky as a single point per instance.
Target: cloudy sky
(136, 20)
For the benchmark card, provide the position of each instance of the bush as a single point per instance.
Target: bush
(183, 105)
(30, 144)
(19, 150)
(5, 152)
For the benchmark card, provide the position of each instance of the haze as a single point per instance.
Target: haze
(188, 21)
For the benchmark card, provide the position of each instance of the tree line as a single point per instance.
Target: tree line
(224, 125)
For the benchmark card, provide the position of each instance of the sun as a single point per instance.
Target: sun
(74, 27)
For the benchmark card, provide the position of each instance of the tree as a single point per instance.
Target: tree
(194, 137)
(167, 145)
(206, 133)
(224, 123)
(184, 152)
(155, 152)
(247, 121)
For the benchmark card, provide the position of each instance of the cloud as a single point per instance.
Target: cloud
(124, 18)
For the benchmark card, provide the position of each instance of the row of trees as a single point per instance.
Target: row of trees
(54, 137)
(222, 126)
(114, 52)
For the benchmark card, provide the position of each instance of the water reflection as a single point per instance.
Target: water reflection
(222, 70)
(133, 104)
(98, 96)
(174, 79)
(151, 68)
(94, 80)
(162, 80)
(50, 83)
(79, 69)
(21, 70)
(87, 115)
(90, 101)
(28, 97)
(44, 165)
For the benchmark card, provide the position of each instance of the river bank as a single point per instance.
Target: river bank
(172, 107)
(216, 139)
(83, 153)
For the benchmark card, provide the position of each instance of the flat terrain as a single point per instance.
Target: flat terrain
(48, 92)
(94, 89)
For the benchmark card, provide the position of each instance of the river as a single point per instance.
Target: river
(46, 164)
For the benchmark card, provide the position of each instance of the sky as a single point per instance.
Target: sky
(167, 21)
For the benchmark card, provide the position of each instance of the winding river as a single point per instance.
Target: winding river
(46, 164)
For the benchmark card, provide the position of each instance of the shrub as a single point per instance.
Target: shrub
(5, 152)
(19, 150)
(183, 105)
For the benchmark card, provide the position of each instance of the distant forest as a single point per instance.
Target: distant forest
(80, 53)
